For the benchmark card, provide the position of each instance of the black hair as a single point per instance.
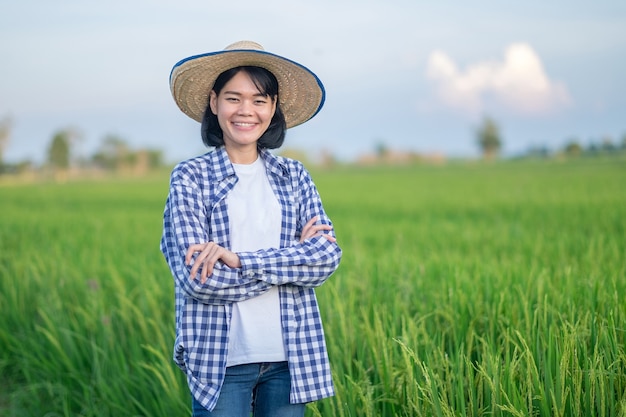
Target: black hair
(267, 85)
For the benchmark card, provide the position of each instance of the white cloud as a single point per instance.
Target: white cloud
(518, 82)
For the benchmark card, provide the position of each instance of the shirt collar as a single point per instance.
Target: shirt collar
(220, 164)
(223, 168)
(275, 165)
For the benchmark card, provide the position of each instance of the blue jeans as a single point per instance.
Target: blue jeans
(257, 389)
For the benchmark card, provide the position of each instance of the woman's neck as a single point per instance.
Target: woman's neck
(242, 156)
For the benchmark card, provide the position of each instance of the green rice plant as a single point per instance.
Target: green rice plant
(87, 311)
(465, 290)
(498, 268)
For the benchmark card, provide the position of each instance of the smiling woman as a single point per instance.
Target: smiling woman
(247, 239)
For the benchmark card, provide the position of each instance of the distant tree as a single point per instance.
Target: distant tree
(144, 160)
(573, 148)
(113, 154)
(5, 134)
(59, 150)
(155, 158)
(623, 144)
(24, 166)
(382, 149)
(488, 138)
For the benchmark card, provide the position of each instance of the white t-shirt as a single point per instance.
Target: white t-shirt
(255, 220)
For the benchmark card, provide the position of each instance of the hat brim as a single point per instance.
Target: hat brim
(301, 93)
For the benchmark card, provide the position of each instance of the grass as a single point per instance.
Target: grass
(465, 290)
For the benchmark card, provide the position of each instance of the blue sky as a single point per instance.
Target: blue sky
(415, 75)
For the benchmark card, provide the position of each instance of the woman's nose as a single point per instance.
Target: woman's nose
(245, 108)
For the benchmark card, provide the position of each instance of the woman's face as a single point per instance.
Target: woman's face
(243, 113)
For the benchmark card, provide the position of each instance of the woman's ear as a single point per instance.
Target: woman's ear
(213, 102)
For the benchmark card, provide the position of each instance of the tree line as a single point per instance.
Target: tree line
(113, 155)
(490, 142)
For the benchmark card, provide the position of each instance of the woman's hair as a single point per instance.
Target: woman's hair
(267, 85)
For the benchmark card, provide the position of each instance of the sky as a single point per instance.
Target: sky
(414, 75)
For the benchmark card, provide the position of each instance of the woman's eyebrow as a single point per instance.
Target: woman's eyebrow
(237, 93)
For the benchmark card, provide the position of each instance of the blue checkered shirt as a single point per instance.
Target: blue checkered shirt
(196, 212)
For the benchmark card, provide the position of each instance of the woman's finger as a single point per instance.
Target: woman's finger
(306, 230)
(209, 263)
(317, 229)
(329, 237)
(308, 225)
(204, 249)
(320, 232)
(209, 254)
(199, 247)
(194, 269)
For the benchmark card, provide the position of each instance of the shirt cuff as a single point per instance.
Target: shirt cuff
(251, 264)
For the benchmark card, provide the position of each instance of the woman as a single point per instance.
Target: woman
(247, 239)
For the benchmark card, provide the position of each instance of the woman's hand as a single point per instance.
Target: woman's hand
(208, 254)
(311, 229)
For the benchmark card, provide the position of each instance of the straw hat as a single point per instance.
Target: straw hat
(300, 92)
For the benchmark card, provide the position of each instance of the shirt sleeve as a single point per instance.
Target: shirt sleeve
(185, 223)
(307, 263)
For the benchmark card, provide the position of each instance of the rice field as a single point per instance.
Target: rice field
(466, 289)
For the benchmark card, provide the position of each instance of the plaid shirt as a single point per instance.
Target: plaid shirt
(196, 212)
